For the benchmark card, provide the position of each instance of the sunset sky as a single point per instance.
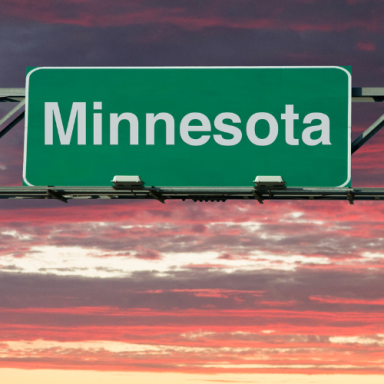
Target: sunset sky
(183, 292)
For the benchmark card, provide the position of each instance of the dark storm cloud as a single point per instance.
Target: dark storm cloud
(157, 44)
(300, 14)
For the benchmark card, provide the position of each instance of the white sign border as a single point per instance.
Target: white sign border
(241, 67)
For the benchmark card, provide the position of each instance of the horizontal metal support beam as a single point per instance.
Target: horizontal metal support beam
(368, 94)
(12, 94)
(194, 194)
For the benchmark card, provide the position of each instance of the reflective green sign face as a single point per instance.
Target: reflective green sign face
(216, 127)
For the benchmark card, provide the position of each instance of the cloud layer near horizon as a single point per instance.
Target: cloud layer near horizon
(187, 287)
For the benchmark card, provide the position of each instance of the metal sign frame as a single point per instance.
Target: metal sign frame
(63, 193)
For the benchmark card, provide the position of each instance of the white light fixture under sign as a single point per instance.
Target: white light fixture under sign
(127, 181)
(269, 182)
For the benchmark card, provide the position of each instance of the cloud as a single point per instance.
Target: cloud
(345, 300)
(147, 254)
(167, 234)
(194, 317)
(300, 16)
(366, 46)
(194, 350)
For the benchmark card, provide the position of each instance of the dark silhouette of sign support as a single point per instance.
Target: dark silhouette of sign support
(62, 193)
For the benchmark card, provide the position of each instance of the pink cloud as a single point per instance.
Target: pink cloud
(93, 13)
(242, 338)
(147, 254)
(366, 47)
(343, 300)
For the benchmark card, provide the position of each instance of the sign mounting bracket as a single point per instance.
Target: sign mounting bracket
(258, 196)
(157, 195)
(56, 195)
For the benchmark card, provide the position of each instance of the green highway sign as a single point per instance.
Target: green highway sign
(188, 126)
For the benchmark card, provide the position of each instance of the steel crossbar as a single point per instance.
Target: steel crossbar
(195, 194)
